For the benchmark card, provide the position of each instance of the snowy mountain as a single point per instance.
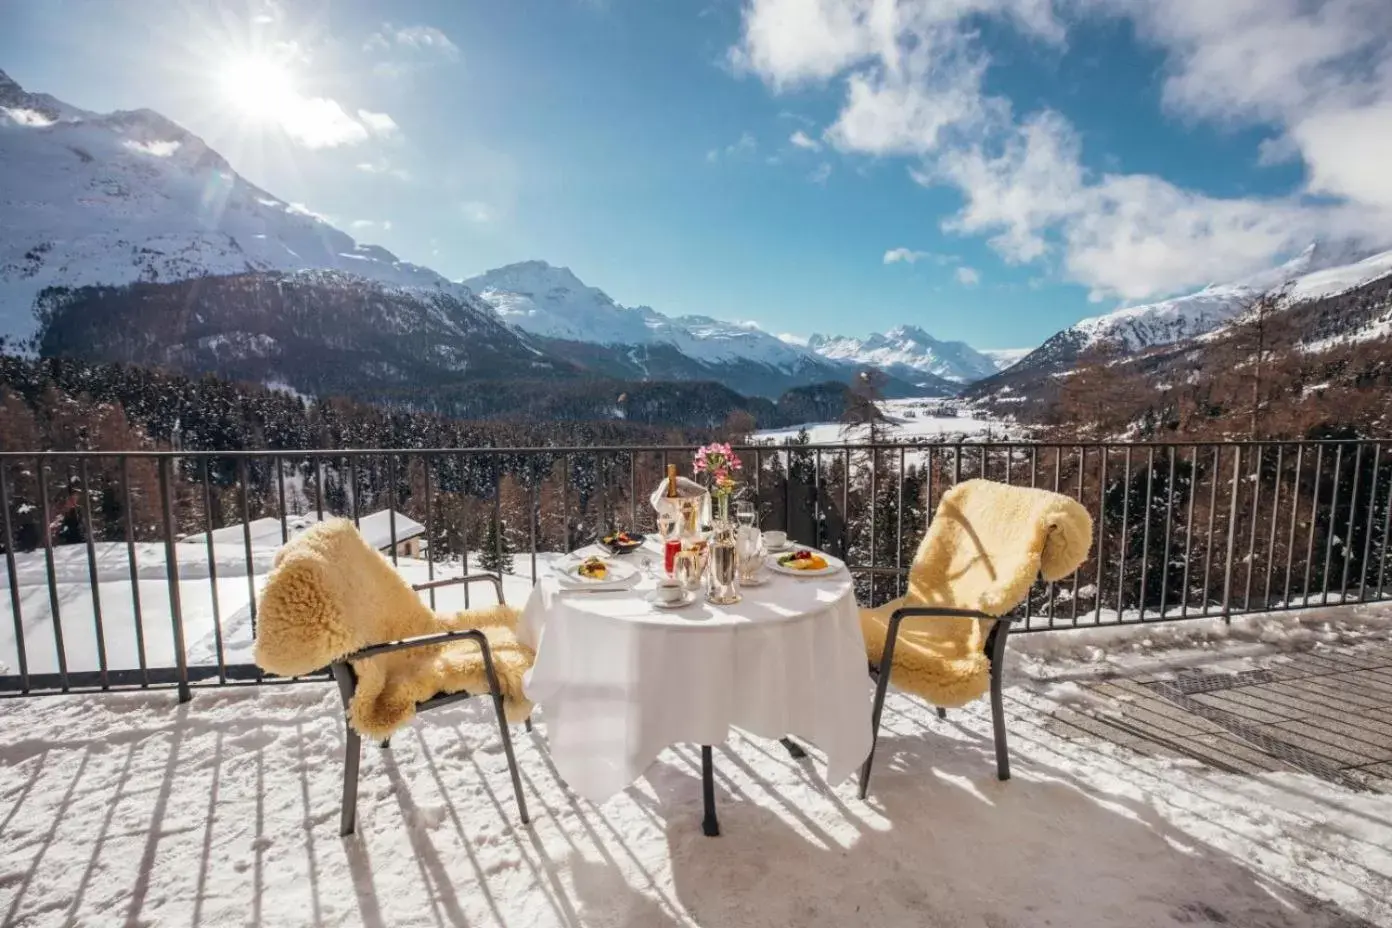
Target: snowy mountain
(588, 327)
(1317, 273)
(87, 199)
(553, 302)
(1004, 358)
(907, 351)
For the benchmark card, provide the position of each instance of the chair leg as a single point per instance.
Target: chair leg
(511, 758)
(881, 686)
(942, 713)
(528, 724)
(998, 639)
(998, 724)
(386, 744)
(352, 754)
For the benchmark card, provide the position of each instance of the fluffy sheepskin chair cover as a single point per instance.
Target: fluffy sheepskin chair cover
(330, 594)
(983, 551)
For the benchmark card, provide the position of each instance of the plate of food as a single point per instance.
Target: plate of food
(594, 571)
(622, 542)
(804, 562)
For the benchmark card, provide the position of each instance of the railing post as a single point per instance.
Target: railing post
(1232, 534)
(171, 570)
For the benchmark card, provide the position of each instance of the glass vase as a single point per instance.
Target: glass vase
(723, 573)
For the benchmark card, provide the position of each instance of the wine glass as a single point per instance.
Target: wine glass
(745, 513)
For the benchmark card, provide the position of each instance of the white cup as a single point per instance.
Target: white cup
(669, 591)
(775, 539)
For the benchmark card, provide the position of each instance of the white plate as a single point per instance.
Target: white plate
(834, 566)
(687, 598)
(567, 572)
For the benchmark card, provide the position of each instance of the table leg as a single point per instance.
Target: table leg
(710, 825)
(794, 749)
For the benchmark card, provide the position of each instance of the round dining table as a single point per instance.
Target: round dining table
(620, 679)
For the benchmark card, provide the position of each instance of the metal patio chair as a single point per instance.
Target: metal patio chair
(333, 601)
(347, 684)
(987, 546)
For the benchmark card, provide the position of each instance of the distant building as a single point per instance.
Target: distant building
(268, 532)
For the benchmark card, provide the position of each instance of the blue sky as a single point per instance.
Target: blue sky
(991, 170)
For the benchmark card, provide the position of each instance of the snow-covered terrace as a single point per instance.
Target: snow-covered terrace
(1123, 810)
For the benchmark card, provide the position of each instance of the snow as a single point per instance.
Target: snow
(132, 809)
(1315, 272)
(551, 301)
(1004, 357)
(904, 350)
(910, 419)
(111, 199)
(205, 607)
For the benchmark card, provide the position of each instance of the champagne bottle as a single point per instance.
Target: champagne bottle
(671, 481)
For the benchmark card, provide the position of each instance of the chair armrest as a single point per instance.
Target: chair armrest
(494, 579)
(420, 641)
(907, 612)
(997, 644)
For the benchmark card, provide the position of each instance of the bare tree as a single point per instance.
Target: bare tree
(863, 406)
(1254, 338)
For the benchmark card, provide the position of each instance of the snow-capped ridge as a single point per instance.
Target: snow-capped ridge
(905, 349)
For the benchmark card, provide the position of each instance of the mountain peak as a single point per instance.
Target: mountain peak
(910, 333)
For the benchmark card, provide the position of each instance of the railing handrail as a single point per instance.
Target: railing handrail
(670, 448)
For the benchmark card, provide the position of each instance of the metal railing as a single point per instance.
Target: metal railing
(140, 569)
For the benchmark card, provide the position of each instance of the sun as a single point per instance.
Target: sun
(259, 87)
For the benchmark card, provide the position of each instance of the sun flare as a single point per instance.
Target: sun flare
(258, 87)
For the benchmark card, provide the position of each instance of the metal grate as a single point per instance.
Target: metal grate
(1180, 692)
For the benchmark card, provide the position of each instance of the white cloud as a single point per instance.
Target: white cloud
(907, 255)
(317, 122)
(385, 225)
(912, 256)
(742, 147)
(384, 167)
(803, 140)
(820, 173)
(913, 72)
(406, 50)
(968, 277)
(478, 212)
(378, 123)
(415, 38)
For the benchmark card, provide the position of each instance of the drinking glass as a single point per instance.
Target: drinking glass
(751, 553)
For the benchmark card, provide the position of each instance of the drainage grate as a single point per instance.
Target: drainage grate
(1192, 684)
(1181, 691)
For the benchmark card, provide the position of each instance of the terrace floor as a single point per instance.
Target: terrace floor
(1246, 791)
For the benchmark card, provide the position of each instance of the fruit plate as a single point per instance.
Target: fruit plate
(779, 563)
(622, 542)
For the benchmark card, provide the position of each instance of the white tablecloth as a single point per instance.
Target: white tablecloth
(620, 680)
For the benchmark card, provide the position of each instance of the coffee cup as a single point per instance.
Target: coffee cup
(669, 591)
(775, 539)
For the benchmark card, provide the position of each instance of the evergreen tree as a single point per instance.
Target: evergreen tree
(496, 556)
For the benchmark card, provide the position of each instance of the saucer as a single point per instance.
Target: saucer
(781, 549)
(687, 598)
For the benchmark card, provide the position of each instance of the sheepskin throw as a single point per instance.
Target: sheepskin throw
(983, 551)
(331, 594)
